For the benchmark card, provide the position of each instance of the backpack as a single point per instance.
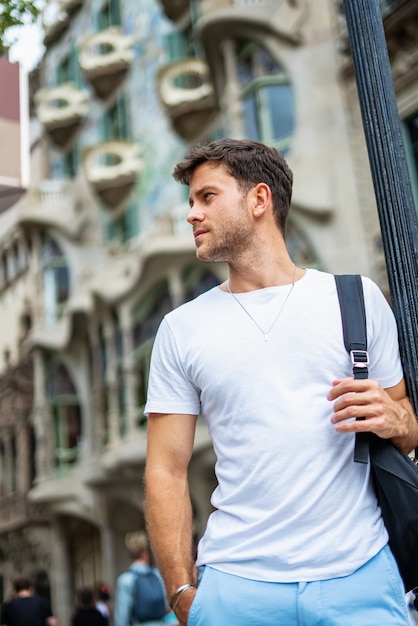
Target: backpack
(149, 596)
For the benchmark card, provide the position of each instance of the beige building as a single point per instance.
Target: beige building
(97, 250)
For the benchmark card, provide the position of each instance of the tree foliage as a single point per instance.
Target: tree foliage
(15, 13)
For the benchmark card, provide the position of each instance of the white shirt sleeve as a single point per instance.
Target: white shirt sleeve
(169, 388)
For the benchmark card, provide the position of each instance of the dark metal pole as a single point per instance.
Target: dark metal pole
(397, 215)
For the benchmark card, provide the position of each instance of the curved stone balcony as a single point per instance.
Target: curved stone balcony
(175, 9)
(56, 18)
(61, 111)
(71, 6)
(112, 169)
(220, 19)
(105, 58)
(16, 510)
(56, 28)
(187, 94)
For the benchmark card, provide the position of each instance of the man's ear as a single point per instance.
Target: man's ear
(262, 199)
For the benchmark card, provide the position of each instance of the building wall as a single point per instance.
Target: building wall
(10, 155)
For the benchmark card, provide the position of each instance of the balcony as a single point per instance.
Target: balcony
(55, 29)
(223, 19)
(70, 7)
(56, 18)
(175, 9)
(16, 510)
(55, 203)
(112, 169)
(105, 57)
(187, 95)
(61, 111)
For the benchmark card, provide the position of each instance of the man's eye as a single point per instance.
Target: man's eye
(208, 195)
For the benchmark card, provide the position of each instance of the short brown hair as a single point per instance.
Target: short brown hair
(22, 583)
(250, 163)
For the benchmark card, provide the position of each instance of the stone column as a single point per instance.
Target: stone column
(23, 457)
(97, 427)
(231, 101)
(41, 419)
(175, 287)
(128, 370)
(61, 585)
(8, 461)
(111, 379)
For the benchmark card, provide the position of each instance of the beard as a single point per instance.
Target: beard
(227, 242)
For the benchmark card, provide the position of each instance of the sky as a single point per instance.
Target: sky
(28, 47)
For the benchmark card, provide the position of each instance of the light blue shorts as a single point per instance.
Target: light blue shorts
(373, 595)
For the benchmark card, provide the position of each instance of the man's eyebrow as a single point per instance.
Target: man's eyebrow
(201, 191)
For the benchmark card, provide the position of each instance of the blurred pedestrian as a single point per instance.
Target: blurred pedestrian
(130, 599)
(86, 613)
(26, 608)
(102, 599)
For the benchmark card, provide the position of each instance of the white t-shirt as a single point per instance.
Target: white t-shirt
(291, 505)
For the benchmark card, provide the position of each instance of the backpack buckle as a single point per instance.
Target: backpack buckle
(359, 358)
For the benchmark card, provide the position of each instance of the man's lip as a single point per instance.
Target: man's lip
(197, 233)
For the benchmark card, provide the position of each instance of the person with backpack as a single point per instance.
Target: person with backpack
(295, 525)
(140, 597)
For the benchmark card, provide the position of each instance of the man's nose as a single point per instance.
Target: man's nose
(194, 214)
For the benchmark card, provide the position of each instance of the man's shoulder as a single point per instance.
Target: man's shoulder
(200, 301)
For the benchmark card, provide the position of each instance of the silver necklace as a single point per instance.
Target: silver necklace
(264, 332)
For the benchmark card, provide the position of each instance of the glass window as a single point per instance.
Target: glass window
(68, 70)
(115, 120)
(109, 15)
(5, 268)
(146, 318)
(410, 132)
(56, 279)
(66, 417)
(196, 281)
(71, 162)
(149, 313)
(267, 97)
(17, 264)
(181, 44)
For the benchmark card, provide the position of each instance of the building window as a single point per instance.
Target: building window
(70, 162)
(149, 313)
(66, 417)
(124, 227)
(56, 279)
(266, 95)
(410, 132)
(5, 268)
(196, 281)
(109, 15)
(68, 70)
(146, 319)
(181, 44)
(115, 120)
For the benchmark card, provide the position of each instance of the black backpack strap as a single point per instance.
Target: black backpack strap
(353, 314)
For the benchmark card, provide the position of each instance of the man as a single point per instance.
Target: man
(140, 557)
(25, 608)
(296, 536)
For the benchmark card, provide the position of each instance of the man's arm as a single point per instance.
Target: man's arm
(387, 412)
(168, 506)
(124, 599)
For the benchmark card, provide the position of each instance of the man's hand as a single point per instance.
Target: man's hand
(386, 412)
(183, 607)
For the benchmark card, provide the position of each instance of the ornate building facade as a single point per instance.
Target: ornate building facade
(97, 250)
